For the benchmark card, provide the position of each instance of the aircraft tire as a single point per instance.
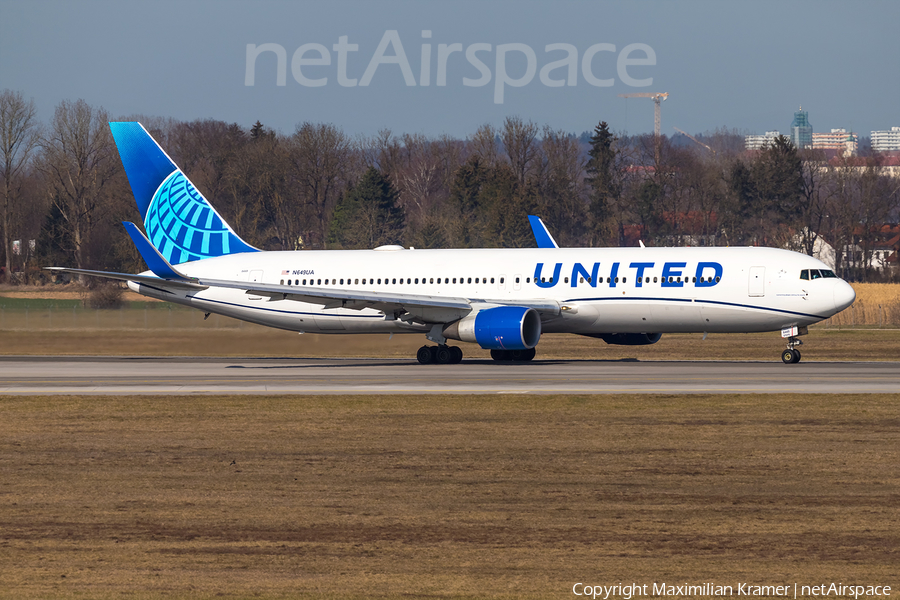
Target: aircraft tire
(425, 356)
(787, 357)
(528, 354)
(456, 355)
(796, 355)
(500, 355)
(443, 356)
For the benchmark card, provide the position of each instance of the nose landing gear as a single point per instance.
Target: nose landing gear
(791, 355)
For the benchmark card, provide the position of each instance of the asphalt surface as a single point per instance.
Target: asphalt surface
(138, 375)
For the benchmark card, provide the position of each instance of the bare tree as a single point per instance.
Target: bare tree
(563, 204)
(320, 154)
(19, 135)
(519, 141)
(485, 147)
(78, 162)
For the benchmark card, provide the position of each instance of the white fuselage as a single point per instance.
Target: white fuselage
(605, 290)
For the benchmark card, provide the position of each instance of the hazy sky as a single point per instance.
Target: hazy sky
(744, 65)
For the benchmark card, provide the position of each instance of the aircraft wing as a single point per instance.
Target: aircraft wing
(419, 307)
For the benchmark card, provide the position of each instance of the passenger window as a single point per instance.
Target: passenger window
(718, 279)
(617, 280)
(581, 280)
(567, 280)
(476, 280)
(470, 280)
(454, 280)
(654, 280)
(502, 279)
(624, 280)
(394, 281)
(492, 280)
(282, 282)
(517, 279)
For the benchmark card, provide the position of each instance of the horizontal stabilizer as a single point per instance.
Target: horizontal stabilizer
(155, 261)
(156, 282)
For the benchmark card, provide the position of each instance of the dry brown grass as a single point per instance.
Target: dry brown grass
(876, 304)
(452, 497)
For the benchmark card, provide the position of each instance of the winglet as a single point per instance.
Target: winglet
(541, 235)
(155, 261)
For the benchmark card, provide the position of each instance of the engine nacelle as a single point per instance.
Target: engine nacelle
(629, 339)
(499, 328)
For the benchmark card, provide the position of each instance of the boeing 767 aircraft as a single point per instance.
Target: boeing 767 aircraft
(501, 299)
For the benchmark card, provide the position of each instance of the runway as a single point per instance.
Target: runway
(139, 375)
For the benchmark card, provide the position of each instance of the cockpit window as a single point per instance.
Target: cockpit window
(816, 273)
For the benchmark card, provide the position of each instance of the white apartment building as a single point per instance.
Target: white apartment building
(886, 141)
(756, 142)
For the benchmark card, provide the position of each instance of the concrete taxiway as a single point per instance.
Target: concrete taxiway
(137, 375)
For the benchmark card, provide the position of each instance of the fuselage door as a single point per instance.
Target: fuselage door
(757, 281)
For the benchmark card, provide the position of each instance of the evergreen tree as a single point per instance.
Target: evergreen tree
(368, 215)
(603, 179)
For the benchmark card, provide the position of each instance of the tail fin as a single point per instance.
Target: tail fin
(179, 221)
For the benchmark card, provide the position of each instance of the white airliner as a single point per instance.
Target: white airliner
(501, 299)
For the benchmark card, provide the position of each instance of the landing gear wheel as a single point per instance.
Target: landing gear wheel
(425, 356)
(443, 355)
(456, 355)
(522, 355)
(796, 355)
(787, 356)
(500, 355)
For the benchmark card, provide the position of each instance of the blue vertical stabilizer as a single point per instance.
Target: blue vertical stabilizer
(180, 223)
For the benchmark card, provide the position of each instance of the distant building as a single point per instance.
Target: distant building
(886, 141)
(838, 140)
(801, 130)
(756, 142)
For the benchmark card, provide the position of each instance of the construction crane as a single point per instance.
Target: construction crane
(657, 98)
(695, 140)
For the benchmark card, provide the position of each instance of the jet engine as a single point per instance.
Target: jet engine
(499, 328)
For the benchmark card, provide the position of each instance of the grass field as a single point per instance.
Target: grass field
(442, 497)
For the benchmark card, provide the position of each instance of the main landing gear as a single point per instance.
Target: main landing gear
(442, 355)
(513, 355)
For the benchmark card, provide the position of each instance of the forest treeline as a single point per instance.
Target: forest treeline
(63, 192)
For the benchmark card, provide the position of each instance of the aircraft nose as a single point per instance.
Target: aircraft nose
(844, 295)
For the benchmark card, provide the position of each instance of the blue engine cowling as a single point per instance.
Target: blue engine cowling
(499, 328)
